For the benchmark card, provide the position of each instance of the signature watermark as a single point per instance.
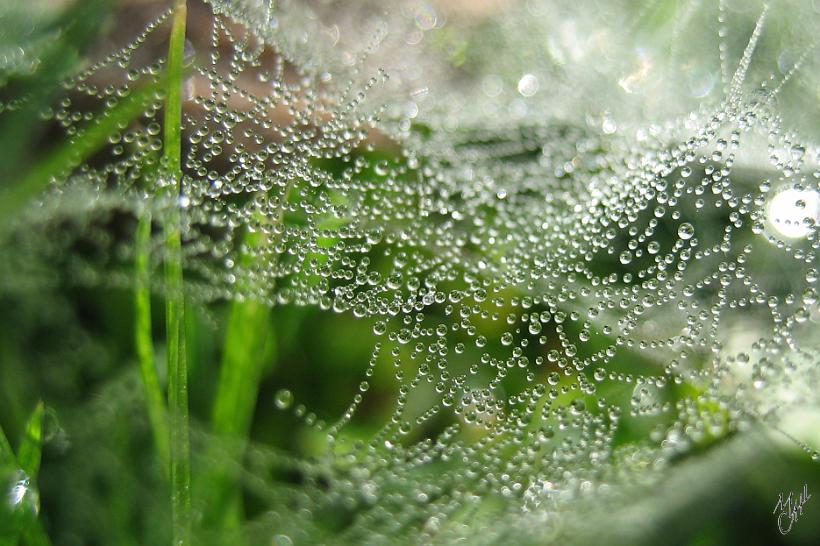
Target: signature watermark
(790, 508)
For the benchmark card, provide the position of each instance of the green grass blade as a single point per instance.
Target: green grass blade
(35, 534)
(31, 446)
(154, 398)
(6, 454)
(246, 337)
(32, 528)
(74, 151)
(247, 341)
(180, 448)
(72, 33)
(241, 368)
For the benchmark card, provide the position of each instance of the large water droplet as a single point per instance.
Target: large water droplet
(686, 231)
(283, 399)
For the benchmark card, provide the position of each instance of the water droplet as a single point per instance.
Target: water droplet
(283, 399)
(528, 85)
(282, 540)
(686, 231)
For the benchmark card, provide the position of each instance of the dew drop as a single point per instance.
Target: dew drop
(686, 231)
(283, 399)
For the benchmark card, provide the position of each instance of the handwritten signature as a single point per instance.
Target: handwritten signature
(790, 509)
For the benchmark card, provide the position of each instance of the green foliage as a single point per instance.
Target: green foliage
(18, 514)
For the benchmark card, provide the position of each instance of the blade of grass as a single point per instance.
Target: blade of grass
(180, 447)
(247, 341)
(71, 34)
(32, 529)
(241, 368)
(6, 454)
(242, 365)
(75, 150)
(154, 399)
(29, 455)
(31, 446)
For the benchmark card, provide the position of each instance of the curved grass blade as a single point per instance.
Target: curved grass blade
(74, 151)
(69, 36)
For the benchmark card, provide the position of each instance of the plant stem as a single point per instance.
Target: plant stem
(154, 400)
(180, 448)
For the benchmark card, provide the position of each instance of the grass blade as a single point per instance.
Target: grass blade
(31, 446)
(154, 399)
(29, 461)
(180, 447)
(71, 34)
(75, 150)
(247, 331)
(6, 454)
(35, 534)
(247, 338)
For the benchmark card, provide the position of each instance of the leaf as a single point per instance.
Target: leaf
(6, 454)
(70, 35)
(180, 447)
(154, 398)
(74, 151)
(249, 340)
(31, 528)
(31, 446)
